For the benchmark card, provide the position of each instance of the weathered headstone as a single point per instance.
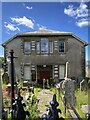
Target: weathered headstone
(44, 83)
(83, 85)
(5, 78)
(69, 91)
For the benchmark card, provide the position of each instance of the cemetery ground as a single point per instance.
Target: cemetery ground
(39, 101)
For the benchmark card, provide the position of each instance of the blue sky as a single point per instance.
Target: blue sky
(18, 17)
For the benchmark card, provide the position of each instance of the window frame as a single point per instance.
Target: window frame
(42, 39)
(59, 47)
(29, 43)
(52, 47)
(28, 79)
(38, 52)
(59, 71)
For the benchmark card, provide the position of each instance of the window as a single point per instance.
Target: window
(27, 72)
(61, 71)
(51, 47)
(44, 45)
(27, 47)
(38, 47)
(61, 46)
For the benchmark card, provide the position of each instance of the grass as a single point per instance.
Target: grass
(36, 90)
(81, 99)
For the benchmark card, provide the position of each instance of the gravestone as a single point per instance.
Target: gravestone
(44, 83)
(68, 87)
(83, 85)
(5, 78)
(89, 85)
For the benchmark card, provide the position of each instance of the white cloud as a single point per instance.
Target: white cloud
(83, 22)
(42, 27)
(70, 11)
(11, 27)
(80, 13)
(29, 8)
(24, 21)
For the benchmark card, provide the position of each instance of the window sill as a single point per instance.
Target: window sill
(62, 53)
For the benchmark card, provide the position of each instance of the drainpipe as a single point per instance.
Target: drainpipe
(66, 75)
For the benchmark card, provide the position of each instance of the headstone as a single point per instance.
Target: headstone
(85, 108)
(44, 83)
(83, 85)
(5, 78)
(69, 91)
(56, 80)
(89, 85)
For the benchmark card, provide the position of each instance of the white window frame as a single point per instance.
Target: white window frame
(49, 47)
(27, 73)
(25, 47)
(43, 52)
(60, 72)
(38, 47)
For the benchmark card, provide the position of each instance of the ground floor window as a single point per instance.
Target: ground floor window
(27, 72)
(61, 71)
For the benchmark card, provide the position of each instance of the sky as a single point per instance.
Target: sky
(19, 17)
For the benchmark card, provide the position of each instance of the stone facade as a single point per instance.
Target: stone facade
(47, 63)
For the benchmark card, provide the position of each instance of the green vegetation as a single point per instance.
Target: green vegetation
(4, 85)
(36, 90)
(81, 99)
(33, 107)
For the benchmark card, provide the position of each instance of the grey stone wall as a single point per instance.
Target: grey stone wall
(73, 54)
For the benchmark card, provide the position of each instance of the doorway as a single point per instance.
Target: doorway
(44, 72)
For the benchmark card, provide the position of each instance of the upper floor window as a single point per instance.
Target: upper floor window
(44, 45)
(27, 47)
(38, 47)
(51, 46)
(61, 46)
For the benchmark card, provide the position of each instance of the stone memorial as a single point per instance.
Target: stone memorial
(83, 85)
(68, 87)
(5, 78)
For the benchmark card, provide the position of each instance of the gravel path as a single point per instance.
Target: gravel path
(45, 97)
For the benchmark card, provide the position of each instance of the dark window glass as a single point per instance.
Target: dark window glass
(61, 46)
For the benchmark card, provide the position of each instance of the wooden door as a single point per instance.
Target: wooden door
(44, 75)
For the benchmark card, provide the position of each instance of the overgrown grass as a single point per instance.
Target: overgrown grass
(36, 90)
(81, 99)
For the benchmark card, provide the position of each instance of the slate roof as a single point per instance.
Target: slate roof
(45, 32)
